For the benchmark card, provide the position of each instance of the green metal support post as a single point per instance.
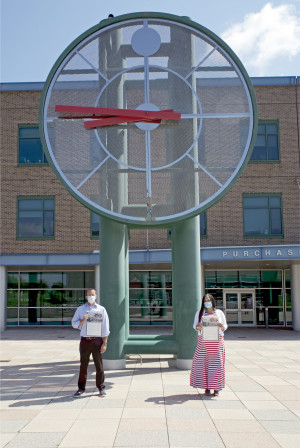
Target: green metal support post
(113, 291)
(186, 287)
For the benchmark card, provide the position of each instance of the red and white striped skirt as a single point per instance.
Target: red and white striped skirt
(208, 368)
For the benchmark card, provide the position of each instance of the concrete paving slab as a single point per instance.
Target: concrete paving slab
(274, 414)
(142, 439)
(287, 440)
(264, 405)
(195, 439)
(12, 425)
(186, 412)
(96, 433)
(143, 424)
(187, 424)
(236, 426)
(281, 427)
(230, 414)
(35, 440)
(224, 404)
(249, 440)
(5, 438)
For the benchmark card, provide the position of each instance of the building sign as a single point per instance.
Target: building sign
(251, 253)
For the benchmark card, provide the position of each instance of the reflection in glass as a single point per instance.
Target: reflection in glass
(287, 274)
(289, 316)
(271, 279)
(232, 317)
(51, 298)
(148, 316)
(74, 297)
(150, 279)
(75, 279)
(246, 301)
(227, 279)
(29, 316)
(12, 298)
(67, 315)
(31, 280)
(249, 279)
(269, 297)
(12, 280)
(52, 279)
(12, 316)
(275, 316)
(51, 316)
(231, 301)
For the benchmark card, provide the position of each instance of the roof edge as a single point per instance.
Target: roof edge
(256, 81)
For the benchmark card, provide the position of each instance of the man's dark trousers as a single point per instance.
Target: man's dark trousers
(87, 347)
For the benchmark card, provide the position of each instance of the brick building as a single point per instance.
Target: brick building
(250, 239)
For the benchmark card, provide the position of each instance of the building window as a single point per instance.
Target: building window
(95, 225)
(203, 224)
(35, 217)
(262, 215)
(45, 298)
(30, 146)
(266, 145)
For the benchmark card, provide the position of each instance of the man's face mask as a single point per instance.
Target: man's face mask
(91, 299)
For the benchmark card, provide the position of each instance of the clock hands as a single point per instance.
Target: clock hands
(105, 116)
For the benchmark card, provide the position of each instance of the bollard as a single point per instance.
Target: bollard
(266, 317)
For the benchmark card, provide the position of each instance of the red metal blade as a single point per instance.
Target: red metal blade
(168, 114)
(117, 120)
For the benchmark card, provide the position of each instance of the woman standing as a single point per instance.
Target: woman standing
(208, 368)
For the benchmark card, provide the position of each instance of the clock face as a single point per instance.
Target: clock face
(162, 119)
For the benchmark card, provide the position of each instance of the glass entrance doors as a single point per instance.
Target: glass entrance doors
(239, 306)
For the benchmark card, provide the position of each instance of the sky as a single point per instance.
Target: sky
(265, 35)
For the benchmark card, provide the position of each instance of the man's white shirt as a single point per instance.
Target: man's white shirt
(86, 308)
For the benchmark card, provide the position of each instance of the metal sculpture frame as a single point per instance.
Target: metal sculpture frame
(186, 263)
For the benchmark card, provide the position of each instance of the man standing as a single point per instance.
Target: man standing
(93, 341)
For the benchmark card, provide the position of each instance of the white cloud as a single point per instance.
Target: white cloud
(271, 35)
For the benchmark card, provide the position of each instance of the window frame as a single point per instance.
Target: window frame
(45, 161)
(268, 196)
(267, 160)
(43, 198)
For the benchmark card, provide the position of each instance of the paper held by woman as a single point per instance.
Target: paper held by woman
(210, 329)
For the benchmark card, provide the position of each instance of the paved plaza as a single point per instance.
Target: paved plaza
(150, 404)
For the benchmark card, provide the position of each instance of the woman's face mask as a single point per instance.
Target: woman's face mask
(91, 299)
(207, 304)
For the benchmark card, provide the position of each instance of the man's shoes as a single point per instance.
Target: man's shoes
(216, 393)
(102, 392)
(207, 392)
(78, 393)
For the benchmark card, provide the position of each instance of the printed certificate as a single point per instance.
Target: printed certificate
(94, 324)
(210, 329)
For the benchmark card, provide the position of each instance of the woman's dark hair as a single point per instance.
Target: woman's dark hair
(201, 312)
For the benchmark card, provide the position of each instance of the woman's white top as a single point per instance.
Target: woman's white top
(221, 317)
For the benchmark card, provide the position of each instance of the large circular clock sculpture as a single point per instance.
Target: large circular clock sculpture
(148, 118)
